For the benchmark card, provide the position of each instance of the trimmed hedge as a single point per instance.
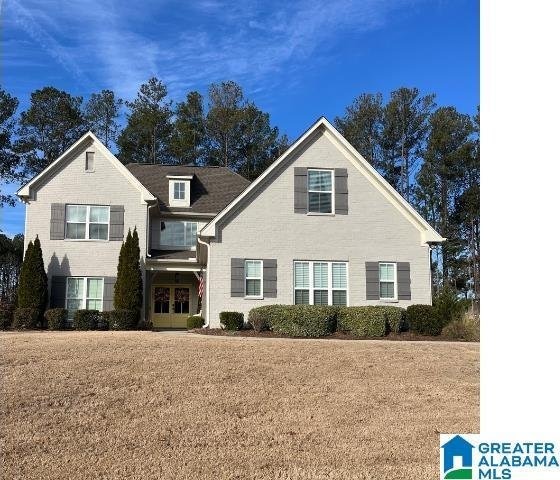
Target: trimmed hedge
(27, 317)
(86, 319)
(6, 314)
(194, 321)
(259, 317)
(232, 320)
(363, 321)
(56, 318)
(121, 319)
(295, 320)
(395, 316)
(424, 319)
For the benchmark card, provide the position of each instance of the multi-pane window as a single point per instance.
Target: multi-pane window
(89, 161)
(388, 281)
(179, 190)
(320, 283)
(253, 278)
(161, 299)
(181, 300)
(83, 293)
(87, 222)
(320, 191)
(178, 234)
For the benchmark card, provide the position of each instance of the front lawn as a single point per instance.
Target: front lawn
(151, 405)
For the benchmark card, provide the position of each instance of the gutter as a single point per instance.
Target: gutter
(207, 286)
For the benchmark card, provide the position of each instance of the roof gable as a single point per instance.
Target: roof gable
(26, 190)
(427, 233)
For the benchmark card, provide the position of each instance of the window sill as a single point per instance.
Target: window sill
(389, 300)
(318, 214)
(86, 240)
(89, 171)
(247, 297)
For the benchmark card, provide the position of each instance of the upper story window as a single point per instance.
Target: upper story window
(388, 281)
(320, 283)
(178, 234)
(90, 166)
(179, 190)
(87, 222)
(320, 191)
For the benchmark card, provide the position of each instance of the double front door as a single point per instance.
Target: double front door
(170, 306)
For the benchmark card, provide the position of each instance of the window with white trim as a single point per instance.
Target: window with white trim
(178, 234)
(320, 191)
(87, 222)
(320, 283)
(388, 281)
(89, 161)
(84, 293)
(179, 189)
(253, 278)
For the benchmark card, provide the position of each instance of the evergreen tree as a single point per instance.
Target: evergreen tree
(188, 130)
(147, 135)
(10, 169)
(128, 287)
(33, 284)
(101, 113)
(52, 123)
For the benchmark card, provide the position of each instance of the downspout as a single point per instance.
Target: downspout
(207, 286)
(148, 230)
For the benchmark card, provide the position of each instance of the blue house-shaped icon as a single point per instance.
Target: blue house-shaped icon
(457, 447)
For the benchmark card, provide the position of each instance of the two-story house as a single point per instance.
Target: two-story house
(319, 226)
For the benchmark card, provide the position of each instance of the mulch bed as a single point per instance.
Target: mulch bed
(405, 336)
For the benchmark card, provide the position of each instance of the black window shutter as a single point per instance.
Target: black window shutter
(237, 277)
(269, 278)
(58, 211)
(108, 293)
(341, 191)
(300, 190)
(403, 280)
(372, 280)
(58, 292)
(116, 226)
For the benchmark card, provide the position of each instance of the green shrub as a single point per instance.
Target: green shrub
(103, 321)
(395, 316)
(259, 317)
(448, 306)
(6, 314)
(231, 320)
(145, 325)
(424, 319)
(27, 317)
(304, 320)
(122, 319)
(363, 321)
(56, 318)
(194, 321)
(33, 284)
(466, 328)
(86, 319)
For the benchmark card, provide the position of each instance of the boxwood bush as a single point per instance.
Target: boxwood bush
(368, 321)
(302, 320)
(26, 318)
(424, 319)
(56, 318)
(395, 316)
(259, 317)
(121, 319)
(86, 319)
(231, 320)
(6, 314)
(194, 321)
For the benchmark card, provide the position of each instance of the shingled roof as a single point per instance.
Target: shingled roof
(212, 188)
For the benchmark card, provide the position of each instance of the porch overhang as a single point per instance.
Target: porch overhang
(173, 267)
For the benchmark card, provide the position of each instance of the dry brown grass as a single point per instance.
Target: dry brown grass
(142, 405)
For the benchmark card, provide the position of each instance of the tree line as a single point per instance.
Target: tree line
(430, 154)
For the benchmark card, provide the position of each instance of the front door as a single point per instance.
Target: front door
(170, 306)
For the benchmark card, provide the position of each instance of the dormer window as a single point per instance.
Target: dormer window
(179, 190)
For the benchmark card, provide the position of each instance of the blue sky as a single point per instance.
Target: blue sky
(297, 60)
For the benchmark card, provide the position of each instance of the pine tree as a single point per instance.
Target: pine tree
(33, 283)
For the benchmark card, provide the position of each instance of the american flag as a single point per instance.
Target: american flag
(201, 286)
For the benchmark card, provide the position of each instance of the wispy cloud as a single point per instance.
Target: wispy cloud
(190, 44)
